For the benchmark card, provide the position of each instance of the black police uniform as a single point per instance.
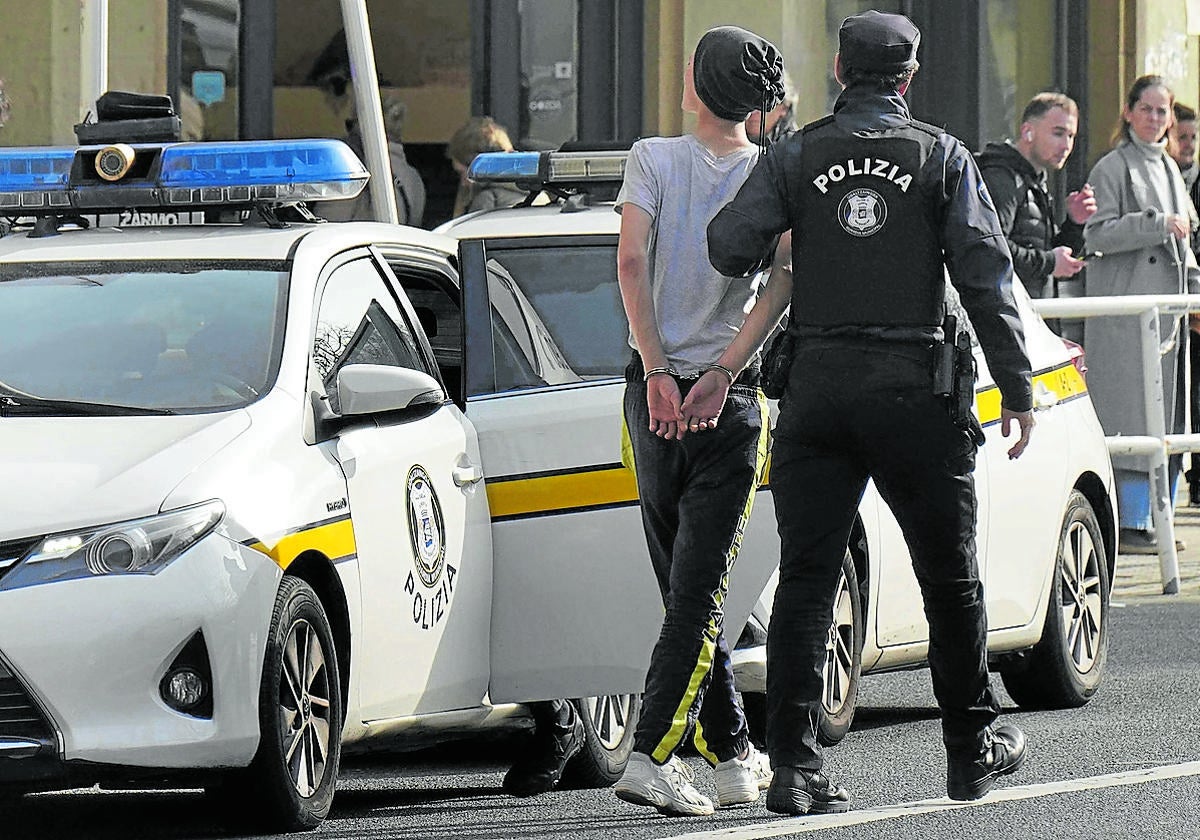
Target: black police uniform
(877, 205)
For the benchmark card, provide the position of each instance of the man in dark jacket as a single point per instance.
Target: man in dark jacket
(880, 206)
(1015, 173)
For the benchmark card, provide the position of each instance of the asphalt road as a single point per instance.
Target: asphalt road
(1127, 765)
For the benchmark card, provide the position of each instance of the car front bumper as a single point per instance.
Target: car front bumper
(87, 658)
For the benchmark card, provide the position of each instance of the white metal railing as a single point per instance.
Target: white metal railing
(1156, 443)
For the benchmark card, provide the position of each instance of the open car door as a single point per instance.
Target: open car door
(576, 608)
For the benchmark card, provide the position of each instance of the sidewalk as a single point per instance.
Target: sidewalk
(1138, 575)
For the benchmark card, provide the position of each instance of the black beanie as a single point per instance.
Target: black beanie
(737, 72)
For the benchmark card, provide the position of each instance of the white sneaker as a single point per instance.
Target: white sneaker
(739, 780)
(667, 787)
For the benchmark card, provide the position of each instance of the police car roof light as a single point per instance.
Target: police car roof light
(39, 180)
(34, 177)
(549, 168)
(506, 167)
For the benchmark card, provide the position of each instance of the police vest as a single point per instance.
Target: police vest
(868, 252)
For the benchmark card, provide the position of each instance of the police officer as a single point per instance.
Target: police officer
(878, 204)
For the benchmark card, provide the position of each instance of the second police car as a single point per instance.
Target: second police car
(276, 487)
(1046, 522)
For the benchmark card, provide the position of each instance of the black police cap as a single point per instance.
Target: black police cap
(879, 42)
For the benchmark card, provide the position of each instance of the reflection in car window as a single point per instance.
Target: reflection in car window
(560, 309)
(183, 335)
(358, 322)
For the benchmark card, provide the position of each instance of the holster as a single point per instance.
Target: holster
(963, 403)
(954, 378)
(777, 363)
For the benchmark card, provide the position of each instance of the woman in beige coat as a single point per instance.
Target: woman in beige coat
(1142, 226)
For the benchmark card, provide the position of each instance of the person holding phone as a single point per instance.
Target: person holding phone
(1043, 250)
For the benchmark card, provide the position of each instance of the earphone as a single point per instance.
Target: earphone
(1028, 136)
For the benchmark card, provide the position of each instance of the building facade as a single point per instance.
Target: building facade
(553, 71)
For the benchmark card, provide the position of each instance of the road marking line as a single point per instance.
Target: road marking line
(803, 825)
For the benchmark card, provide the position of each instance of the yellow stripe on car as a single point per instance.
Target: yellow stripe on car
(614, 485)
(586, 488)
(333, 537)
(1065, 381)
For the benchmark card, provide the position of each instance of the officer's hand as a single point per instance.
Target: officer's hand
(1066, 265)
(705, 401)
(1081, 204)
(1026, 422)
(663, 399)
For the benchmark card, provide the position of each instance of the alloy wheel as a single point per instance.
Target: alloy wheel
(839, 650)
(1082, 597)
(304, 708)
(609, 715)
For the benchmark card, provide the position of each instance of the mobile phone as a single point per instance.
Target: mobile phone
(1090, 255)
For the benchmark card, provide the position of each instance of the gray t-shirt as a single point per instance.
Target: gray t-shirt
(682, 185)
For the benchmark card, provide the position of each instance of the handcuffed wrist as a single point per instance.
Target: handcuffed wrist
(729, 374)
(670, 371)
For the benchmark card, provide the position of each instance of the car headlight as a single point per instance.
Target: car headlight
(138, 547)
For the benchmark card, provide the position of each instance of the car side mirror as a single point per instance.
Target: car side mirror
(370, 389)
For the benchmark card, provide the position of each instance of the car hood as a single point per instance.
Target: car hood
(60, 473)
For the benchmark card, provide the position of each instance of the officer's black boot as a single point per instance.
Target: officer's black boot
(547, 752)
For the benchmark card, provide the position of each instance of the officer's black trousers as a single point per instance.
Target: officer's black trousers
(854, 412)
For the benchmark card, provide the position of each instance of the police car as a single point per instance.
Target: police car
(247, 518)
(1046, 522)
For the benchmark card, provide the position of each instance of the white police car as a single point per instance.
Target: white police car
(245, 518)
(1046, 522)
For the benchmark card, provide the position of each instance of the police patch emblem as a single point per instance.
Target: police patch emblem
(425, 526)
(432, 587)
(862, 212)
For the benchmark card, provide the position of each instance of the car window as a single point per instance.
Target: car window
(181, 335)
(440, 315)
(358, 322)
(556, 315)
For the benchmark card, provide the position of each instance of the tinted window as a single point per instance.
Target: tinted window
(557, 315)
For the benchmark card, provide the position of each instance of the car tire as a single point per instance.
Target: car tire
(1064, 669)
(843, 658)
(608, 723)
(289, 785)
(842, 670)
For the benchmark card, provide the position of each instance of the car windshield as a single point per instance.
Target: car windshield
(166, 336)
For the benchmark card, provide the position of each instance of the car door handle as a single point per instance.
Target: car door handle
(466, 475)
(1043, 397)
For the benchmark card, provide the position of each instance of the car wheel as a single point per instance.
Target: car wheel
(608, 723)
(843, 658)
(842, 669)
(1066, 666)
(290, 783)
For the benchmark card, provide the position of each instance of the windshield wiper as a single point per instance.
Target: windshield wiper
(13, 405)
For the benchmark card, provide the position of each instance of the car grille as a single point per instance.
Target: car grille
(19, 715)
(14, 550)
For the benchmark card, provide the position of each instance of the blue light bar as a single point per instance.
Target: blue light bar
(33, 177)
(177, 175)
(546, 168)
(505, 166)
(248, 162)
